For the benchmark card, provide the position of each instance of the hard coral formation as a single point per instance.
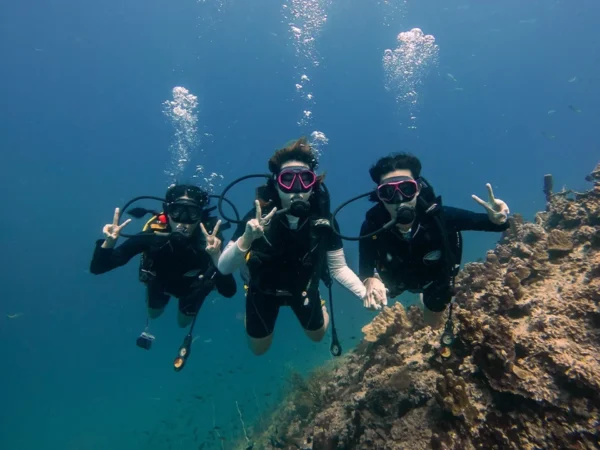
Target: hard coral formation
(390, 320)
(524, 372)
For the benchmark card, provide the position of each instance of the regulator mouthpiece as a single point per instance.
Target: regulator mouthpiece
(300, 208)
(405, 215)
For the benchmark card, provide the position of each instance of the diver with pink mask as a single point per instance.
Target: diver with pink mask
(285, 247)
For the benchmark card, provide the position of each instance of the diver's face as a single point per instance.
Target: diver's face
(287, 198)
(391, 177)
(187, 228)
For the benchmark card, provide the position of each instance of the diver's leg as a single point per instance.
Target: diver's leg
(435, 299)
(259, 346)
(156, 301)
(189, 306)
(313, 317)
(261, 314)
(183, 320)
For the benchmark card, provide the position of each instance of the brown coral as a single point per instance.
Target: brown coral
(559, 243)
(454, 397)
(389, 320)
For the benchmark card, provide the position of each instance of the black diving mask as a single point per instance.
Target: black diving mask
(184, 211)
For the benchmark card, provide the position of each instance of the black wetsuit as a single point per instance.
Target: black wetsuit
(284, 270)
(174, 267)
(418, 262)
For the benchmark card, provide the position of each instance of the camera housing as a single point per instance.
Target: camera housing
(145, 341)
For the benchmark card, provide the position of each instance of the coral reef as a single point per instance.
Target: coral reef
(524, 370)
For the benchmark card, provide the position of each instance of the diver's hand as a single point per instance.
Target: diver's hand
(497, 209)
(113, 230)
(376, 296)
(213, 243)
(255, 228)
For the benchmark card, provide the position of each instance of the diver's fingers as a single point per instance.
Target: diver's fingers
(366, 301)
(123, 225)
(491, 193)
(502, 207)
(271, 214)
(258, 209)
(369, 298)
(203, 229)
(384, 300)
(216, 228)
(482, 203)
(374, 306)
(371, 301)
(116, 217)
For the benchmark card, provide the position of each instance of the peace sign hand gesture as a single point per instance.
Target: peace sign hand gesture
(113, 230)
(213, 243)
(255, 228)
(497, 209)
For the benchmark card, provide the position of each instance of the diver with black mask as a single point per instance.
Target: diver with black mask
(288, 250)
(179, 255)
(410, 242)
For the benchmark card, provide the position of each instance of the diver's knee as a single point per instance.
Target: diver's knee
(316, 335)
(325, 318)
(154, 313)
(433, 319)
(183, 320)
(259, 346)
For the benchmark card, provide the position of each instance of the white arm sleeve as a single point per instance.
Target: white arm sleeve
(336, 261)
(231, 258)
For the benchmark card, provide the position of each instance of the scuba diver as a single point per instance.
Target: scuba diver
(288, 246)
(410, 242)
(179, 255)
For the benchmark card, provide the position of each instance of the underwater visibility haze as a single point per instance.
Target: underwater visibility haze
(106, 101)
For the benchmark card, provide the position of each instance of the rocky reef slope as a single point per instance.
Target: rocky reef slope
(523, 372)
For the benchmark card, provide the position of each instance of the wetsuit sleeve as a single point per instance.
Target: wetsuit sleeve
(107, 259)
(232, 257)
(239, 231)
(465, 220)
(226, 285)
(336, 262)
(334, 242)
(367, 253)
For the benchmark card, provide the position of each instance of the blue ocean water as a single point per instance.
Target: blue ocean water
(513, 96)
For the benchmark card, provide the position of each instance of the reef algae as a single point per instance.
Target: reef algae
(524, 372)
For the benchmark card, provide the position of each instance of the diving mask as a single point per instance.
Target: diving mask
(184, 211)
(398, 190)
(296, 179)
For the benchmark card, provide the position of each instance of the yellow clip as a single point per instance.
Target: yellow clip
(445, 352)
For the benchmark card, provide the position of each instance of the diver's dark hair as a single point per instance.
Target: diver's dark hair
(299, 150)
(395, 161)
(197, 194)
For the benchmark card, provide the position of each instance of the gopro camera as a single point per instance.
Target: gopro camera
(145, 341)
